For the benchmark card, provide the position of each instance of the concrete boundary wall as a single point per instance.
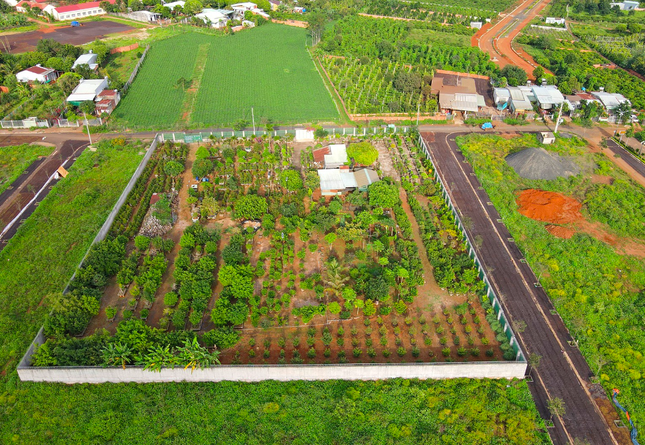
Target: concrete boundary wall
(257, 373)
(254, 373)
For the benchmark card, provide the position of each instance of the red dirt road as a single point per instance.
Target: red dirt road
(497, 39)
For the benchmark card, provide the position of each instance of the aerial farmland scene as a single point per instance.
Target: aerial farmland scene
(322, 222)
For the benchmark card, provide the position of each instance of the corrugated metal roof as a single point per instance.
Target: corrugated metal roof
(548, 95)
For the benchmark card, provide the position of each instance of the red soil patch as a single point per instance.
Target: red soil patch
(560, 231)
(563, 214)
(549, 207)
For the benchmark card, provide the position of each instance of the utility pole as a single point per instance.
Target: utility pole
(418, 111)
(557, 123)
(87, 124)
(253, 119)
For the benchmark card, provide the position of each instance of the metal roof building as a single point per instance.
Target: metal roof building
(610, 100)
(547, 96)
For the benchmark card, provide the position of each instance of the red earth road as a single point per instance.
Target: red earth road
(496, 40)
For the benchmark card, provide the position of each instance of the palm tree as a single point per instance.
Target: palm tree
(193, 355)
(335, 277)
(117, 354)
(158, 357)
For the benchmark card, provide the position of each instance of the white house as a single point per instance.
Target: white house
(172, 5)
(218, 18)
(37, 73)
(75, 12)
(610, 100)
(90, 59)
(547, 96)
(332, 156)
(476, 25)
(554, 21)
(87, 89)
(626, 5)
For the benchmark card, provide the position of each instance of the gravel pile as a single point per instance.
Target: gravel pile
(537, 163)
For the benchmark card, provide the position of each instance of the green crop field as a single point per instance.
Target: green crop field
(15, 159)
(267, 69)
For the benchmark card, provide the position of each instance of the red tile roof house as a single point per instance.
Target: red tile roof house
(20, 7)
(75, 12)
(106, 101)
(37, 73)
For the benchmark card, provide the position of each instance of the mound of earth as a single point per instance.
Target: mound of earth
(560, 232)
(537, 163)
(551, 207)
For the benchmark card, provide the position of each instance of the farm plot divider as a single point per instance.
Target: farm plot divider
(225, 134)
(494, 301)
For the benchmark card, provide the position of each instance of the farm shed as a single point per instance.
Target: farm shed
(338, 181)
(37, 73)
(86, 90)
(520, 99)
(501, 96)
(547, 96)
(90, 59)
(71, 12)
(457, 92)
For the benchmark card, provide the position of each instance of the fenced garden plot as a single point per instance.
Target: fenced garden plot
(312, 281)
(281, 85)
(14, 160)
(589, 280)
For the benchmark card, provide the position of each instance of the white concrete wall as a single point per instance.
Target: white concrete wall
(256, 373)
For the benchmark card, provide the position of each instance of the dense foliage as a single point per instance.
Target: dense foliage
(396, 411)
(598, 291)
(15, 159)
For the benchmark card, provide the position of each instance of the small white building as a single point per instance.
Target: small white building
(501, 96)
(87, 90)
(547, 96)
(626, 5)
(37, 73)
(240, 8)
(75, 12)
(90, 59)
(521, 98)
(555, 21)
(476, 25)
(546, 137)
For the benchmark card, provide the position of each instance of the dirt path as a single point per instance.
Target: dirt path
(183, 221)
(195, 82)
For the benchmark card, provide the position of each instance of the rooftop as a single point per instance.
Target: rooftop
(336, 179)
(37, 69)
(548, 94)
(81, 6)
(89, 59)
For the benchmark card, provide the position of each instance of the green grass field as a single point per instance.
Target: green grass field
(42, 256)
(15, 159)
(267, 69)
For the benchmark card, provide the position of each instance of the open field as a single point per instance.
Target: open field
(50, 244)
(89, 32)
(281, 84)
(15, 159)
(596, 277)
